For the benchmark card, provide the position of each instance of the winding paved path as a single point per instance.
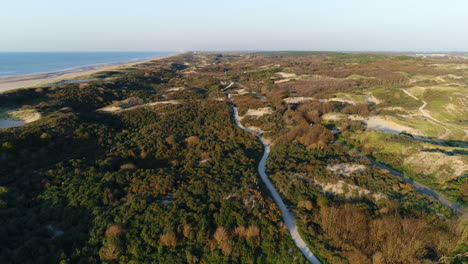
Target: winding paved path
(288, 218)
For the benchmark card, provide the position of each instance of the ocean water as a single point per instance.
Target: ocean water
(20, 63)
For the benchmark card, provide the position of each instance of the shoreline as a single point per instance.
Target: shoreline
(38, 79)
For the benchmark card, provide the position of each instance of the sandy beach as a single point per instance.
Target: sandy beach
(34, 80)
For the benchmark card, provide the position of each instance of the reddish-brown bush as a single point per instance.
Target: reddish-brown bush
(315, 136)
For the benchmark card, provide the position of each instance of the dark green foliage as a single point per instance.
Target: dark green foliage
(147, 185)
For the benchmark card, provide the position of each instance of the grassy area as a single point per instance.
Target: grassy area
(442, 168)
(395, 98)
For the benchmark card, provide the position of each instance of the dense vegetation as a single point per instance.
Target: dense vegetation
(166, 184)
(145, 165)
(372, 218)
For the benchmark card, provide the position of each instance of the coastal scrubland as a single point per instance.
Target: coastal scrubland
(145, 164)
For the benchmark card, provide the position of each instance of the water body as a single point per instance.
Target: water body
(21, 63)
(9, 122)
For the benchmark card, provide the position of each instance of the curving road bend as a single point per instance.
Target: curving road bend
(288, 218)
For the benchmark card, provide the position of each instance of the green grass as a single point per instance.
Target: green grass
(392, 97)
(393, 150)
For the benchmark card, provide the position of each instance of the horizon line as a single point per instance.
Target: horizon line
(246, 50)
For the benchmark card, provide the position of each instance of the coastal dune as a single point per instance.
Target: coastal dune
(38, 79)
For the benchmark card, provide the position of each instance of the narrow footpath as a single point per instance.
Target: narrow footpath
(288, 218)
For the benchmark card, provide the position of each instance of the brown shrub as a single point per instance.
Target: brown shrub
(378, 258)
(83, 85)
(247, 232)
(128, 167)
(306, 204)
(225, 247)
(399, 240)
(187, 231)
(143, 154)
(295, 117)
(314, 136)
(168, 240)
(239, 231)
(221, 234)
(345, 225)
(109, 252)
(465, 188)
(357, 109)
(355, 256)
(312, 111)
(222, 239)
(193, 140)
(252, 231)
(113, 230)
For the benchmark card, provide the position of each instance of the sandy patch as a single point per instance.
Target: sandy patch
(358, 77)
(269, 65)
(110, 109)
(349, 190)
(256, 129)
(124, 104)
(259, 112)
(242, 91)
(286, 74)
(378, 123)
(342, 100)
(452, 108)
(451, 66)
(190, 70)
(175, 89)
(345, 169)
(284, 80)
(372, 99)
(174, 102)
(443, 166)
(453, 76)
(287, 77)
(333, 116)
(395, 108)
(27, 115)
(296, 100)
(116, 108)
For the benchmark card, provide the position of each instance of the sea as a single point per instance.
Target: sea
(21, 63)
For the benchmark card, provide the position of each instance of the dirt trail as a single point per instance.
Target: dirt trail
(288, 218)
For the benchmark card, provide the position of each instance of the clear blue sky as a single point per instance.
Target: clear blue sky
(157, 25)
